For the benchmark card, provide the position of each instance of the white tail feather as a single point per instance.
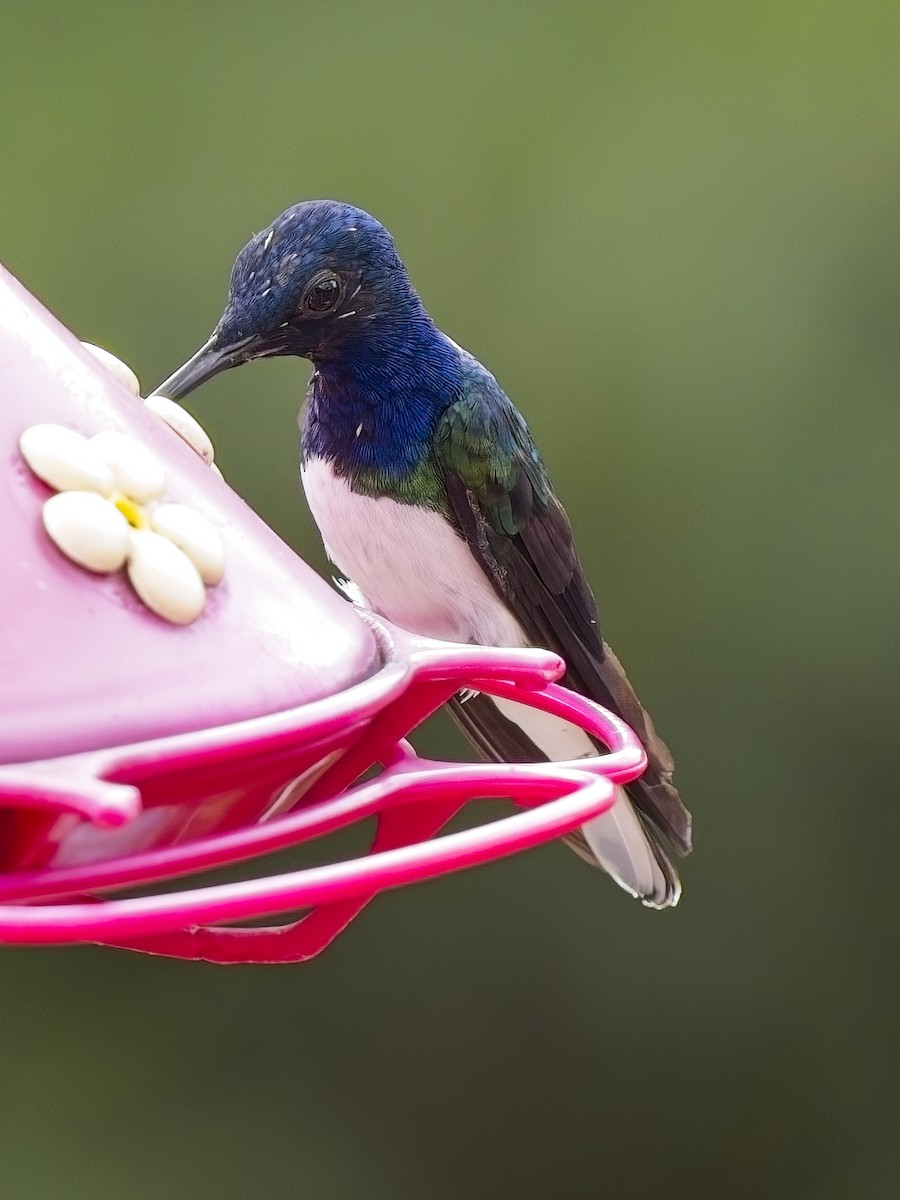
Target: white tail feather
(620, 846)
(616, 837)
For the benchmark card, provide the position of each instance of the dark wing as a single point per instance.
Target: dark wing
(505, 507)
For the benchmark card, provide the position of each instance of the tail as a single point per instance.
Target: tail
(632, 842)
(620, 843)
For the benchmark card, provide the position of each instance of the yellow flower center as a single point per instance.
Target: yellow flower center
(133, 513)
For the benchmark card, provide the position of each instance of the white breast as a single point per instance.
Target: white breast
(410, 564)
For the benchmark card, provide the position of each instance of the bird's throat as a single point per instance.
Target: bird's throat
(373, 411)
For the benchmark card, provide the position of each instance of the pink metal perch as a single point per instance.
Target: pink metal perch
(134, 751)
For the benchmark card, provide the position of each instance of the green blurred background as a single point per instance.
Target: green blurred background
(671, 229)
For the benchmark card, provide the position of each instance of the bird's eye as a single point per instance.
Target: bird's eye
(322, 295)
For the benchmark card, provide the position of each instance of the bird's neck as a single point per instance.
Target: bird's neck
(372, 409)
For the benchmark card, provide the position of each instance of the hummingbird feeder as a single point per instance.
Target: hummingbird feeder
(181, 693)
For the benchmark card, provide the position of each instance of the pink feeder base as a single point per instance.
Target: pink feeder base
(412, 799)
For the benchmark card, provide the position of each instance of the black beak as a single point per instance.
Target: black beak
(209, 360)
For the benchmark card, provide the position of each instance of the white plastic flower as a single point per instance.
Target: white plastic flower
(109, 513)
(177, 418)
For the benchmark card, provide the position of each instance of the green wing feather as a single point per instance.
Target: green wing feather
(505, 507)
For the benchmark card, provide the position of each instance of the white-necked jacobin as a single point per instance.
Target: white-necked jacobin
(431, 497)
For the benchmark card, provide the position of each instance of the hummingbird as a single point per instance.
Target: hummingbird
(434, 504)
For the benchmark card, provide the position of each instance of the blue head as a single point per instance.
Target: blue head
(323, 278)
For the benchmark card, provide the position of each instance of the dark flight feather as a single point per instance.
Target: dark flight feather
(503, 502)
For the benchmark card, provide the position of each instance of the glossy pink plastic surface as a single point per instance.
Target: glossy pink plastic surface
(412, 799)
(133, 752)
